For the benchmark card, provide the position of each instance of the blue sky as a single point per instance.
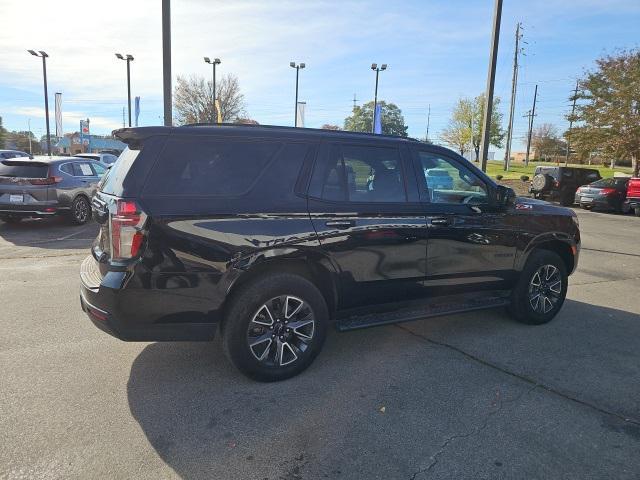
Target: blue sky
(437, 51)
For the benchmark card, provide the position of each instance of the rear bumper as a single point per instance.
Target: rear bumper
(632, 202)
(108, 304)
(31, 210)
(600, 203)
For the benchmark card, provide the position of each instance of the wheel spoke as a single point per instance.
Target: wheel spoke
(556, 287)
(303, 328)
(263, 316)
(551, 270)
(286, 350)
(287, 306)
(537, 302)
(258, 347)
(545, 302)
(536, 281)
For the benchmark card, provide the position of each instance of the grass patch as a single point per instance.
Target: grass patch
(518, 169)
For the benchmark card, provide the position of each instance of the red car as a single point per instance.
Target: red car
(633, 196)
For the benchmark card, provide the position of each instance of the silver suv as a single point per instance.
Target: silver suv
(105, 158)
(47, 186)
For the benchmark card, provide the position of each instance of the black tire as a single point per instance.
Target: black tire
(524, 307)
(80, 212)
(10, 219)
(567, 198)
(246, 319)
(636, 211)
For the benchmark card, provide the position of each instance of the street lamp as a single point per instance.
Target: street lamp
(374, 67)
(44, 56)
(295, 112)
(216, 61)
(128, 58)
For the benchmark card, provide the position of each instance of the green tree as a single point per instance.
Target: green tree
(3, 134)
(608, 109)
(361, 120)
(546, 142)
(21, 141)
(464, 131)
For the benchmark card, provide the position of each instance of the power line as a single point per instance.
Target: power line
(573, 109)
(514, 87)
(531, 114)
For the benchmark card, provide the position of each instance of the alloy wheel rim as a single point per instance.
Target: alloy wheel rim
(281, 331)
(81, 210)
(545, 289)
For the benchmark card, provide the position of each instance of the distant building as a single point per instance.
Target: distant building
(72, 143)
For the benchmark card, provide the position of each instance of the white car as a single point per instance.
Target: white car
(104, 158)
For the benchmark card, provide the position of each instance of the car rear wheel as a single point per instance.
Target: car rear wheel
(541, 289)
(80, 211)
(275, 327)
(637, 211)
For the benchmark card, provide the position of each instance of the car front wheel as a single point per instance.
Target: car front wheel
(541, 289)
(275, 327)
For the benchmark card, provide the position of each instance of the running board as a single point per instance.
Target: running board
(434, 309)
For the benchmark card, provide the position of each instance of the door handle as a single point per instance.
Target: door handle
(340, 224)
(439, 221)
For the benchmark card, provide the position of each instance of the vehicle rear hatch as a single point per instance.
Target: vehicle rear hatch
(24, 183)
(633, 189)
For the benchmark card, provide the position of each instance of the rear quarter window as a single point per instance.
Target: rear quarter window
(203, 166)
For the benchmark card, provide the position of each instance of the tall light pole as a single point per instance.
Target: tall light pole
(216, 61)
(166, 62)
(374, 67)
(491, 78)
(128, 58)
(44, 56)
(297, 67)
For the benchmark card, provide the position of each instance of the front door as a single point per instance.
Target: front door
(470, 241)
(365, 209)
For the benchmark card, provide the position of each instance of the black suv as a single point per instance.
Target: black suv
(561, 183)
(268, 234)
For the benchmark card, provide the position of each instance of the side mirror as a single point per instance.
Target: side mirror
(506, 197)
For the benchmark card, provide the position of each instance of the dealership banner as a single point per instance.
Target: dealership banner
(137, 109)
(300, 113)
(59, 132)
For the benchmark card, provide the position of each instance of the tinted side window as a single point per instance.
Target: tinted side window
(67, 168)
(98, 169)
(447, 181)
(203, 166)
(361, 174)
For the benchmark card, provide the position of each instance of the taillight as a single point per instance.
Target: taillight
(607, 192)
(45, 181)
(126, 230)
(556, 183)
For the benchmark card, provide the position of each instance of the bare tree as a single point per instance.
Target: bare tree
(193, 99)
(546, 141)
(329, 126)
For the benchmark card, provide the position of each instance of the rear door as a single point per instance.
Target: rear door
(365, 210)
(470, 240)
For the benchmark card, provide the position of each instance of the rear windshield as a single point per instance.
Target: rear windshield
(22, 169)
(211, 167)
(112, 181)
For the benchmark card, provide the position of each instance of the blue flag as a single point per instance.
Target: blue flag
(137, 109)
(377, 128)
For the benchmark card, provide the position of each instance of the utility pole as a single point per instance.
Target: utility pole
(531, 114)
(514, 87)
(166, 61)
(354, 101)
(573, 109)
(128, 58)
(491, 77)
(428, 121)
(44, 56)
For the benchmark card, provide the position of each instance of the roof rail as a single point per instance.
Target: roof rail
(297, 129)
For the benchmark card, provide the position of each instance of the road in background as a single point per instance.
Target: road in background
(464, 396)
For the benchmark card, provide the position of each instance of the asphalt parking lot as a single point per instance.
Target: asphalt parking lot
(464, 396)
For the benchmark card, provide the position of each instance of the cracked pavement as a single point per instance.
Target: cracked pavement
(466, 396)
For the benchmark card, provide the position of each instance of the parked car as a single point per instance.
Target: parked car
(5, 154)
(104, 158)
(561, 183)
(605, 194)
(632, 201)
(46, 186)
(257, 233)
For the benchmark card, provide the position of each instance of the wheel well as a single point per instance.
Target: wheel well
(316, 274)
(562, 249)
